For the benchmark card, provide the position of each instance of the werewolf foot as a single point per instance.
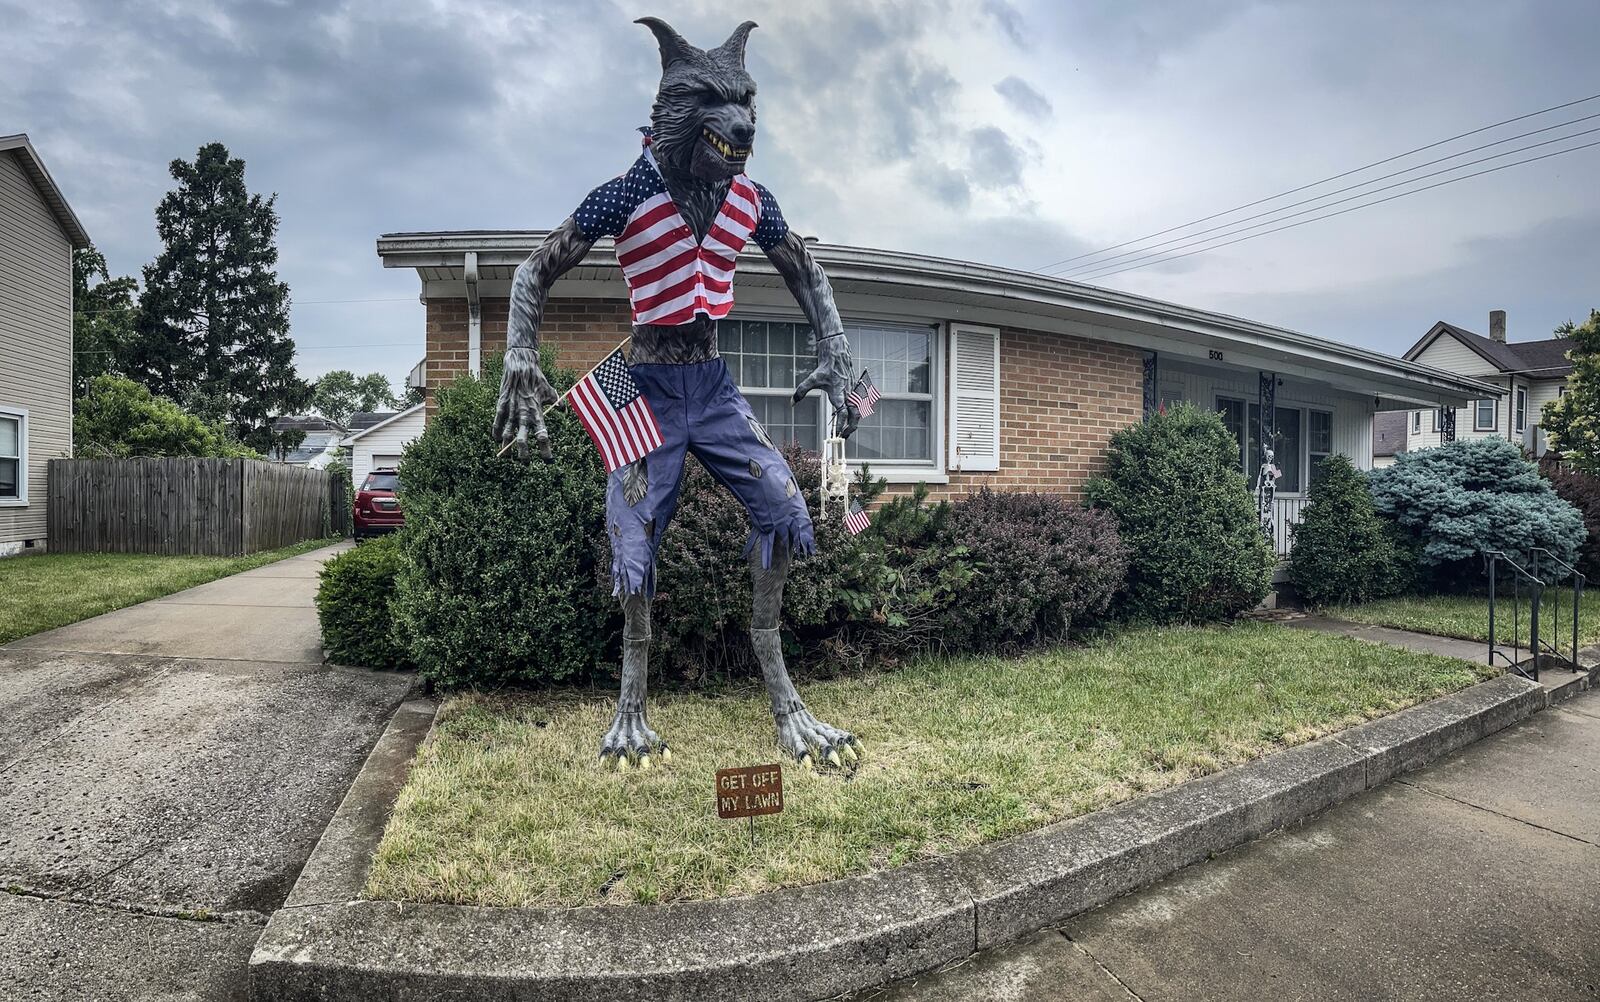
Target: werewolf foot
(630, 741)
(810, 740)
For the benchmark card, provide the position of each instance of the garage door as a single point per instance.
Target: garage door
(385, 462)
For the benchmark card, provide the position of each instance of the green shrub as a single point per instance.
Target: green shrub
(1343, 552)
(1197, 550)
(502, 557)
(1042, 564)
(1582, 491)
(353, 605)
(1456, 501)
(343, 495)
(118, 419)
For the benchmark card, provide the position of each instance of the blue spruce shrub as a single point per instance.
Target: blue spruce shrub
(1458, 500)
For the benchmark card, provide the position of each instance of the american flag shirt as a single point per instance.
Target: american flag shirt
(671, 277)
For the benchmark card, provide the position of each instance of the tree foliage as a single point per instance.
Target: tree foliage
(213, 324)
(341, 393)
(1472, 495)
(1174, 484)
(103, 317)
(119, 419)
(1343, 552)
(1572, 420)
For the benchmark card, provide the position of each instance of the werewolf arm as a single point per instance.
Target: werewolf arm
(811, 289)
(524, 391)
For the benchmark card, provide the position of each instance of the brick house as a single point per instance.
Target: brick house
(989, 376)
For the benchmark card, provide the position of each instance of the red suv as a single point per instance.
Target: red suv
(377, 508)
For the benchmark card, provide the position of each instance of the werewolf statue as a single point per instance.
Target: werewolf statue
(679, 216)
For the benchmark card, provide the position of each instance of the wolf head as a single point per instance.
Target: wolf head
(704, 119)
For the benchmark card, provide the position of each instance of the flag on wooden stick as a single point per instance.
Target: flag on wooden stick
(856, 519)
(614, 413)
(864, 394)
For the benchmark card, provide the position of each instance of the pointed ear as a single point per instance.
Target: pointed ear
(733, 48)
(673, 47)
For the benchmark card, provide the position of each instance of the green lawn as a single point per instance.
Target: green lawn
(1467, 616)
(54, 589)
(506, 804)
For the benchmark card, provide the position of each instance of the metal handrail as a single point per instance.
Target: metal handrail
(1493, 558)
(1579, 581)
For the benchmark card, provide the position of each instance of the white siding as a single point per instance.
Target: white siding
(1352, 415)
(35, 340)
(1451, 355)
(389, 440)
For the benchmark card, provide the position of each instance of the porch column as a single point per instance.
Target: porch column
(1266, 485)
(1447, 424)
(1151, 383)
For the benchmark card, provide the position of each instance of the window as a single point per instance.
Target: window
(1288, 448)
(1232, 412)
(1522, 408)
(768, 357)
(1561, 390)
(1483, 415)
(1416, 422)
(1288, 444)
(13, 457)
(1319, 442)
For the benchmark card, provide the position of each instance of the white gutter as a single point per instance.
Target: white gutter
(474, 316)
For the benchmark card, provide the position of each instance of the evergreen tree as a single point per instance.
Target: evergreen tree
(213, 327)
(1572, 420)
(103, 314)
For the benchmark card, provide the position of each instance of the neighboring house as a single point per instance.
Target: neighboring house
(1389, 429)
(1528, 374)
(377, 440)
(320, 446)
(990, 377)
(38, 233)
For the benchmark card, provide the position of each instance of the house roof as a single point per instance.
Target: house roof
(361, 420)
(388, 419)
(1389, 432)
(1544, 359)
(964, 290)
(48, 190)
(305, 423)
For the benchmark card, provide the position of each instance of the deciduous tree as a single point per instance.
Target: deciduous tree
(103, 315)
(1572, 420)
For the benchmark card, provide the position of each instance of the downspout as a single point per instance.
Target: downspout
(474, 315)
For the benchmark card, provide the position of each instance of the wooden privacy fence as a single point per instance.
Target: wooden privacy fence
(187, 506)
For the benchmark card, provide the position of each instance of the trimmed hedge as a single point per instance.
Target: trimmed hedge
(1343, 552)
(1174, 486)
(353, 605)
(498, 581)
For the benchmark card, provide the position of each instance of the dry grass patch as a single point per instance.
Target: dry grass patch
(506, 805)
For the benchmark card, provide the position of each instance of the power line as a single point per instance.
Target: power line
(1313, 184)
(292, 304)
(1353, 208)
(1097, 265)
(1191, 240)
(298, 348)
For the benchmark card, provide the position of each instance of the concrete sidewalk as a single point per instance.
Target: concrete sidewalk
(165, 769)
(1477, 878)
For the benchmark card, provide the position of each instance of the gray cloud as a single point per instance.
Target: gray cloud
(1009, 20)
(1021, 96)
(996, 160)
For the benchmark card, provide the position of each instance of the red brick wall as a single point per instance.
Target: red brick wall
(1061, 397)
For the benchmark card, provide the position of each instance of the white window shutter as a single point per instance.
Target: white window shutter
(974, 398)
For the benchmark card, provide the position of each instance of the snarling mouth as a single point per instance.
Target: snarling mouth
(722, 146)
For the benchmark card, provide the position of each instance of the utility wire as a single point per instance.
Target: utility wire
(1313, 184)
(1097, 265)
(298, 348)
(1364, 205)
(292, 304)
(1195, 239)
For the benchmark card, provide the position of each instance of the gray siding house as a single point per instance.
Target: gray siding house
(38, 232)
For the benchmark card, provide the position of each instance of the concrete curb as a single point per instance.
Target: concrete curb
(826, 939)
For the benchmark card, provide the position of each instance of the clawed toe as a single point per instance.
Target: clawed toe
(630, 743)
(812, 742)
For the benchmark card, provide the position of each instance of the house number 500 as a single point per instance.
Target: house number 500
(1216, 356)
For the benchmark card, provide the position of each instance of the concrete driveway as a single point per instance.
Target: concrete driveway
(165, 770)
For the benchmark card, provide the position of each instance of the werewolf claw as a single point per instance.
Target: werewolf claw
(644, 762)
(849, 752)
(833, 759)
(666, 753)
(805, 762)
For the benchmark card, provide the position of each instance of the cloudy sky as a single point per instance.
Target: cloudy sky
(1002, 131)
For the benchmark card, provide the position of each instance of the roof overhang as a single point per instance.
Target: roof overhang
(894, 283)
(48, 190)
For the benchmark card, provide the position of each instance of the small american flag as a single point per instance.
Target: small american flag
(864, 394)
(614, 413)
(856, 519)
